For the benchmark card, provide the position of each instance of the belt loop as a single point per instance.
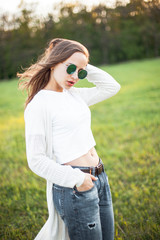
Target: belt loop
(94, 170)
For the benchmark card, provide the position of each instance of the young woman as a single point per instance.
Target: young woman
(60, 144)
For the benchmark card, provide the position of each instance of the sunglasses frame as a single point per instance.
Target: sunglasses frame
(75, 70)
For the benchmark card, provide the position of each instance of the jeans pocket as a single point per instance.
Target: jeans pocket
(86, 191)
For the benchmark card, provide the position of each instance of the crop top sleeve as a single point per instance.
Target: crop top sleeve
(106, 86)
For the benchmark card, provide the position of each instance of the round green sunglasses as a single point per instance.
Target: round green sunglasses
(71, 68)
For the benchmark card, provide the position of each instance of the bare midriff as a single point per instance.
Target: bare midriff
(87, 160)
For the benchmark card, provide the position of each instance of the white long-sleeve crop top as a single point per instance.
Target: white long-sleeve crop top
(71, 124)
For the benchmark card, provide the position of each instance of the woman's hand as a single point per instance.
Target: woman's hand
(87, 184)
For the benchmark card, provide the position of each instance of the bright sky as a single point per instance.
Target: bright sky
(42, 7)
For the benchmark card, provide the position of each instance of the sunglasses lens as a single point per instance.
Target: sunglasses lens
(82, 74)
(71, 69)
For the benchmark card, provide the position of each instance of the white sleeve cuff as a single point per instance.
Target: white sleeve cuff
(81, 176)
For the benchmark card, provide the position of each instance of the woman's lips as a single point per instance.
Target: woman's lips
(70, 83)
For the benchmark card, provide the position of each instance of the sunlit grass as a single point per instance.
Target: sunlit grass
(126, 129)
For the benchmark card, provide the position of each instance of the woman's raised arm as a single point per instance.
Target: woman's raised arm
(106, 86)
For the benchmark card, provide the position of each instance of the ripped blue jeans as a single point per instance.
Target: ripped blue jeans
(88, 215)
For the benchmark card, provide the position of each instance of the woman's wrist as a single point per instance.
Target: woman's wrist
(94, 73)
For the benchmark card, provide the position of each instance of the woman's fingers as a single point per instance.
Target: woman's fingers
(87, 184)
(93, 177)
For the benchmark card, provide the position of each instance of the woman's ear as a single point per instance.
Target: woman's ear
(52, 68)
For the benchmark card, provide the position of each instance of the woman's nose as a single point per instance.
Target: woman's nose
(75, 75)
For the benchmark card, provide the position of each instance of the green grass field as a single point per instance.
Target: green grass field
(126, 128)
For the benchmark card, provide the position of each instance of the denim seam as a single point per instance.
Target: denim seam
(77, 216)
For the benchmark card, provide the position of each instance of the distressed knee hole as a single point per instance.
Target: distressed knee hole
(91, 225)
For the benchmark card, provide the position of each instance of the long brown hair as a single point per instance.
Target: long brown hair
(37, 76)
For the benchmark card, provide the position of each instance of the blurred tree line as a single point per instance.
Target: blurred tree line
(111, 34)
